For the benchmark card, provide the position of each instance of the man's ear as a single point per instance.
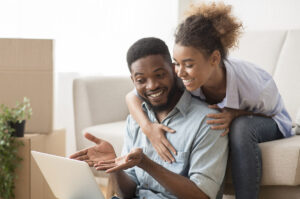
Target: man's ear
(215, 58)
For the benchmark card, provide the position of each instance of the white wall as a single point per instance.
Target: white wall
(260, 14)
(90, 37)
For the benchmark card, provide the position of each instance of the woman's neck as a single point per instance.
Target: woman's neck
(215, 88)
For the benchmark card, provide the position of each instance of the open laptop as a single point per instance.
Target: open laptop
(67, 178)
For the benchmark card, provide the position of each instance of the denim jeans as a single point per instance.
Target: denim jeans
(245, 155)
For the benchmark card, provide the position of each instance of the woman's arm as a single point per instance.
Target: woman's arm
(154, 131)
(223, 119)
(134, 104)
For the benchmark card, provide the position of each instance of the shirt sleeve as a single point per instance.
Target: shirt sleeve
(127, 146)
(258, 90)
(208, 160)
(269, 100)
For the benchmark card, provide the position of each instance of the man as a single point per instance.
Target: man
(201, 157)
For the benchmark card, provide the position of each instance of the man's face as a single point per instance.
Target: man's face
(154, 80)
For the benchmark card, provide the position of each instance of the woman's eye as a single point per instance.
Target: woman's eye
(189, 66)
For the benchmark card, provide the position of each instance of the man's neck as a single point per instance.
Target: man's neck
(161, 115)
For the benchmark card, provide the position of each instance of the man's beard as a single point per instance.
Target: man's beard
(165, 106)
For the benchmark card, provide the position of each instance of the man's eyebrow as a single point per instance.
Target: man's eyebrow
(158, 69)
(139, 73)
(136, 74)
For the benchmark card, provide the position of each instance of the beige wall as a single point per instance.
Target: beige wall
(26, 69)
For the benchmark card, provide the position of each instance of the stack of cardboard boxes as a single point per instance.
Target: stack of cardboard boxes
(26, 69)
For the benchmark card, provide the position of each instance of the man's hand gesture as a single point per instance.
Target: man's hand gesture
(134, 158)
(101, 152)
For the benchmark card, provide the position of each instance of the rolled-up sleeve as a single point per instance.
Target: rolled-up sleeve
(208, 160)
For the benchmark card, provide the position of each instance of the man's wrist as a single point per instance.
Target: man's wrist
(144, 162)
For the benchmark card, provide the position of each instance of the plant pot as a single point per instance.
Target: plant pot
(18, 128)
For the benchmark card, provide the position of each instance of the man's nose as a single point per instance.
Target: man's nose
(152, 84)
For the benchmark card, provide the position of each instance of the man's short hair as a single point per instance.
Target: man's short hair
(145, 47)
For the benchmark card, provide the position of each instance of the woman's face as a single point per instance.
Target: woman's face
(192, 66)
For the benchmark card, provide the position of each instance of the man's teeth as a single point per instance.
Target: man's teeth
(156, 94)
(187, 80)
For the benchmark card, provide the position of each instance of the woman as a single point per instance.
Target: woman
(251, 109)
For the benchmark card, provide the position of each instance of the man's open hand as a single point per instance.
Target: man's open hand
(102, 151)
(134, 158)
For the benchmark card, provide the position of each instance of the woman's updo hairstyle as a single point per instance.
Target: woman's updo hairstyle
(209, 27)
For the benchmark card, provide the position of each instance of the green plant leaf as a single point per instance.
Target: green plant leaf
(9, 159)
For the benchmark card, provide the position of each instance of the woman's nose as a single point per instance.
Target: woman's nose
(180, 71)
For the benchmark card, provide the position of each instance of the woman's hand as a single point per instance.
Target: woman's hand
(134, 158)
(156, 134)
(223, 119)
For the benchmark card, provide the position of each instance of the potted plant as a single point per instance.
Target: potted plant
(9, 145)
(15, 117)
(9, 161)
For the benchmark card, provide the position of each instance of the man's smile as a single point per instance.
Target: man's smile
(155, 95)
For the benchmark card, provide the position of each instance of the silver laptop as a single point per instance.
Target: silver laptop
(67, 178)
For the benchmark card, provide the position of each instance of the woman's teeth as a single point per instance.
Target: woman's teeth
(187, 80)
(156, 94)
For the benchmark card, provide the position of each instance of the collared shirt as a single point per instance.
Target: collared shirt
(201, 152)
(250, 88)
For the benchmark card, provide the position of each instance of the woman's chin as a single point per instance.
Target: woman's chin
(190, 88)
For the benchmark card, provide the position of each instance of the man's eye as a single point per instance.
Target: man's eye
(140, 81)
(160, 75)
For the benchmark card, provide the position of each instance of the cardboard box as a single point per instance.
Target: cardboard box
(30, 183)
(26, 69)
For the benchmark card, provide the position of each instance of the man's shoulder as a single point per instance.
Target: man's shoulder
(196, 117)
(199, 107)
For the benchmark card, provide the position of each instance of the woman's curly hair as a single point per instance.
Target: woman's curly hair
(209, 27)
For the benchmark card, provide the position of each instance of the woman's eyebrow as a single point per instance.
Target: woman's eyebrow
(185, 60)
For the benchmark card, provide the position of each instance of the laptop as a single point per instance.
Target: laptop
(67, 178)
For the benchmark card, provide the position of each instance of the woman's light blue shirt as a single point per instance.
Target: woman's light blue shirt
(250, 88)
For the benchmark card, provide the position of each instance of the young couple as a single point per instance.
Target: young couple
(223, 99)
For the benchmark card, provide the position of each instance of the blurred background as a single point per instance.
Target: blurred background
(91, 37)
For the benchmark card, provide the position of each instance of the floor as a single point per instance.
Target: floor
(103, 189)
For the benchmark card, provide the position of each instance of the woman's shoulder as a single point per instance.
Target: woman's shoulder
(242, 67)
(246, 72)
(251, 80)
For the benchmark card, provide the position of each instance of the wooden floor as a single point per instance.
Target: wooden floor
(103, 189)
